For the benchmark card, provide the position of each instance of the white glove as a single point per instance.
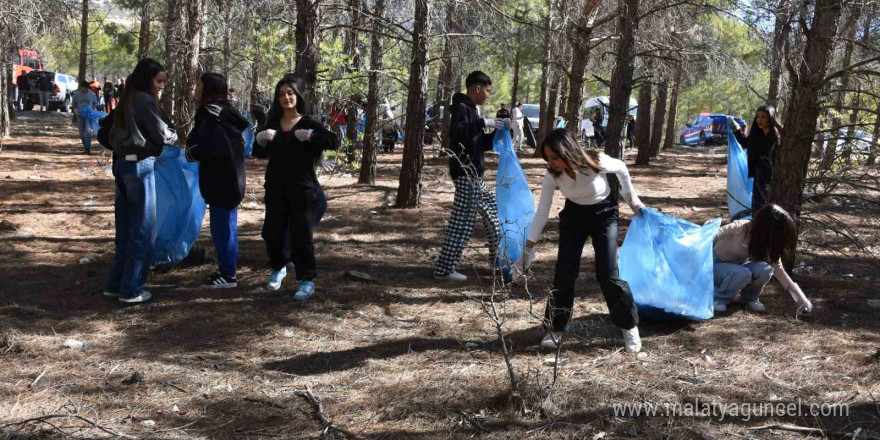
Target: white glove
(803, 304)
(265, 136)
(303, 135)
(732, 123)
(505, 122)
(523, 263)
(492, 123)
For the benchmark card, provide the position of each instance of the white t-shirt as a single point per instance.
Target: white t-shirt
(587, 188)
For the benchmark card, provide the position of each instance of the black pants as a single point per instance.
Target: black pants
(576, 223)
(288, 229)
(761, 187)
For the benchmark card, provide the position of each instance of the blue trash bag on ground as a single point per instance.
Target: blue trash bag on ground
(667, 262)
(180, 208)
(248, 135)
(91, 115)
(516, 205)
(739, 184)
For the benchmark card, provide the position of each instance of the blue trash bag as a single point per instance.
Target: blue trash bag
(92, 116)
(248, 135)
(180, 208)
(516, 205)
(667, 262)
(739, 184)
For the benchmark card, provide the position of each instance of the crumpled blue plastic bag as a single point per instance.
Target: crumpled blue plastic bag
(516, 205)
(739, 184)
(92, 116)
(180, 208)
(667, 262)
(248, 135)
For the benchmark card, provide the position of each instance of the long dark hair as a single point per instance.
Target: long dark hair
(775, 126)
(772, 234)
(214, 90)
(563, 144)
(140, 80)
(298, 84)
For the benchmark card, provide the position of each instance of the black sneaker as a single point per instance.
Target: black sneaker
(218, 281)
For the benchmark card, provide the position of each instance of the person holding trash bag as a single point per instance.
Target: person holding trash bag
(84, 99)
(590, 212)
(138, 135)
(216, 142)
(294, 143)
(467, 143)
(760, 144)
(748, 253)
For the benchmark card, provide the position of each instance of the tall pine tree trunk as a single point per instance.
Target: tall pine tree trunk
(184, 104)
(659, 118)
(787, 187)
(673, 107)
(256, 69)
(850, 30)
(173, 52)
(83, 42)
(580, 40)
(546, 72)
(875, 142)
(621, 78)
(306, 38)
(371, 137)
(514, 88)
(144, 34)
(5, 92)
(780, 39)
(643, 122)
(354, 50)
(409, 190)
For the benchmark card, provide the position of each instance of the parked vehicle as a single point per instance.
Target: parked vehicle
(859, 142)
(532, 112)
(707, 128)
(60, 95)
(599, 103)
(24, 61)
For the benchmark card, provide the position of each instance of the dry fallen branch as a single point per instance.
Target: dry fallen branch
(792, 428)
(328, 425)
(45, 419)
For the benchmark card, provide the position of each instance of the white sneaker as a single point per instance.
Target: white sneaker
(631, 340)
(143, 297)
(454, 276)
(552, 340)
(276, 279)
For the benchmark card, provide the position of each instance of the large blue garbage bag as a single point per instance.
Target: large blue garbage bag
(248, 135)
(180, 208)
(739, 184)
(516, 205)
(667, 262)
(92, 116)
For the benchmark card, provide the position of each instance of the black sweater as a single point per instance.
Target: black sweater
(292, 163)
(217, 144)
(466, 138)
(759, 149)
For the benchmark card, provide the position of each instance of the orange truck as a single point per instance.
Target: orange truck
(24, 61)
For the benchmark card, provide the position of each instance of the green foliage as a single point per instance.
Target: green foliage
(112, 48)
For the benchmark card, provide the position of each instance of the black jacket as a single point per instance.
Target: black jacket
(467, 141)
(760, 149)
(145, 131)
(22, 83)
(217, 144)
(292, 163)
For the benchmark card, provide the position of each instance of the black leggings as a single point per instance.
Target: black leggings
(291, 217)
(576, 223)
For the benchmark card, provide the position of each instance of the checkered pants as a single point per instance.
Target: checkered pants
(471, 195)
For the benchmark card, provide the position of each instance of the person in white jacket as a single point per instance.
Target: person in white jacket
(590, 212)
(516, 125)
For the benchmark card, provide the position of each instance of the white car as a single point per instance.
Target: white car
(860, 142)
(60, 94)
(599, 103)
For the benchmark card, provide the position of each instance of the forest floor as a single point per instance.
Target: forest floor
(404, 356)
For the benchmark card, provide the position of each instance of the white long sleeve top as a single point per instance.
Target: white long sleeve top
(587, 188)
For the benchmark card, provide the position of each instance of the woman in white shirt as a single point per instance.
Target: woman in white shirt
(590, 211)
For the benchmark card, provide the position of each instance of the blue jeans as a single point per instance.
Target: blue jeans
(135, 207)
(224, 233)
(85, 133)
(749, 278)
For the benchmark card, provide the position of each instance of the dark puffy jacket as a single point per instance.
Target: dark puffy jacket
(467, 142)
(215, 141)
(292, 163)
(760, 149)
(145, 131)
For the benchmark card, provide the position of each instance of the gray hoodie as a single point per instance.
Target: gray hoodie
(145, 131)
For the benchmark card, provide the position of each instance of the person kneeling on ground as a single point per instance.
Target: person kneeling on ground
(748, 252)
(294, 142)
(590, 212)
(217, 144)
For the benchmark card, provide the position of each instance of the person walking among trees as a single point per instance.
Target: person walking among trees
(467, 144)
(45, 86)
(23, 88)
(748, 253)
(760, 145)
(139, 133)
(216, 142)
(503, 112)
(590, 212)
(108, 95)
(516, 125)
(294, 142)
(84, 98)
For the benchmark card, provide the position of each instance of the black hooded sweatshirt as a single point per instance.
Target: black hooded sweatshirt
(292, 162)
(217, 144)
(759, 149)
(466, 138)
